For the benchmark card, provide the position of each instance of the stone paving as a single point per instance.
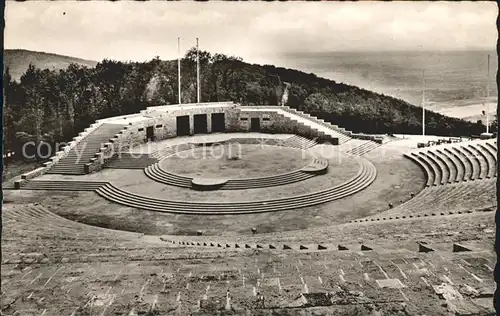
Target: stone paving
(67, 268)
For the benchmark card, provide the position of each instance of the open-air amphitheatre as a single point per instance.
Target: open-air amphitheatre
(223, 209)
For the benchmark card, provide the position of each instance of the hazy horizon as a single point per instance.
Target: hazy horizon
(251, 30)
(295, 54)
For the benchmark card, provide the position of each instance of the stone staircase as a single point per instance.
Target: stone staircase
(364, 148)
(298, 142)
(62, 185)
(158, 174)
(77, 157)
(317, 124)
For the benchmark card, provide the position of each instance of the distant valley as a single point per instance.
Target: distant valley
(455, 81)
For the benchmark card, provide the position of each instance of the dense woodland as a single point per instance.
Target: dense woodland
(55, 105)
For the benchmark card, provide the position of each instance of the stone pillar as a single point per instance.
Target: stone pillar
(191, 124)
(209, 122)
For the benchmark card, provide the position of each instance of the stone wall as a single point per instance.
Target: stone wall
(34, 173)
(165, 117)
(164, 123)
(275, 123)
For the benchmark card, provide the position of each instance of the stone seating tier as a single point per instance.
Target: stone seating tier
(457, 162)
(364, 178)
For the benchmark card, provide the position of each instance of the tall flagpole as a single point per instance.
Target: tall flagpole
(179, 68)
(487, 98)
(423, 102)
(198, 70)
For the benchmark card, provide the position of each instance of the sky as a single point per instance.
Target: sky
(138, 31)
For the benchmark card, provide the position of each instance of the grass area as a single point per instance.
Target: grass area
(17, 168)
(253, 161)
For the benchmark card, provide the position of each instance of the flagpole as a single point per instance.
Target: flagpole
(423, 102)
(198, 70)
(487, 98)
(179, 68)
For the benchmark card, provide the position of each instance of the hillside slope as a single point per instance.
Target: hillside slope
(18, 61)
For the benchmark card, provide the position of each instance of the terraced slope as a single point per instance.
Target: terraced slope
(53, 266)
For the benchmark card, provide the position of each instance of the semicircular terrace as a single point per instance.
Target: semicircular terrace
(157, 173)
(447, 164)
(361, 180)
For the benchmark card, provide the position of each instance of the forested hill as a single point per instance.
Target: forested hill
(57, 104)
(18, 61)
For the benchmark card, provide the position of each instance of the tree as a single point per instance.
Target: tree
(33, 83)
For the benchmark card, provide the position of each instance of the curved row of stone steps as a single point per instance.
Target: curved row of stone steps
(156, 173)
(408, 217)
(430, 174)
(458, 171)
(491, 151)
(452, 164)
(242, 245)
(480, 157)
(294, 141)
(438, 197)
(63, 185)
(465, 164)
(208, 242)
(364, 178)
(264, 182)
(34, 235)
(439, 172)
